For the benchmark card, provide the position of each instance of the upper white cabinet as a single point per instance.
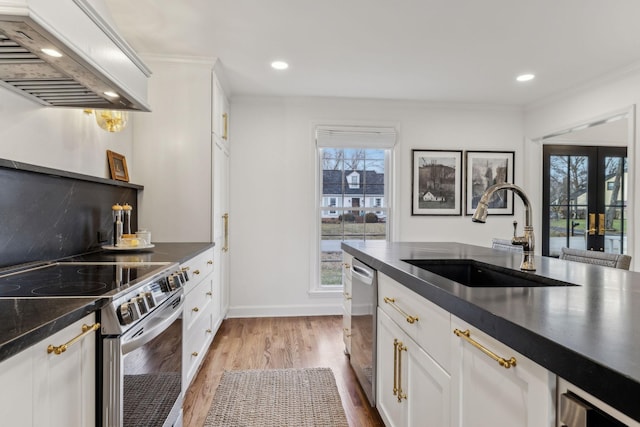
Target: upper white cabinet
(487, 393)
(220, 111)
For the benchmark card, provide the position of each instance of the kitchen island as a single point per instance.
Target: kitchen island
(588, 333)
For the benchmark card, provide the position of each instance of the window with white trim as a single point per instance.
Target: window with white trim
(353, 204)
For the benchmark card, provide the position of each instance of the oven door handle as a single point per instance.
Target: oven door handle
(154, 329)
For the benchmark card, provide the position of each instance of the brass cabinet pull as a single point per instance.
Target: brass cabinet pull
(346, 332)
(209, 293)
(401, 348)
(466, 335)
(600, 224)
(225, 118)
(395, 366)
(347, 296)
(86, 330)
(210, 262)
(391, 302)
(592, 224)
(196, 309)
(346, 265)
(225, 246)
(398, 348)
(196, 271)
(208, 331)
(194, 354)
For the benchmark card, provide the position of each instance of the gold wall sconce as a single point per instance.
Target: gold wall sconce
(110, 120)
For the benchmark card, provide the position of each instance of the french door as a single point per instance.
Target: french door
(585, 198)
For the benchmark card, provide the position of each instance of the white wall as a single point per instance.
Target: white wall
(58, 138)
(580, 106)
(273, 181)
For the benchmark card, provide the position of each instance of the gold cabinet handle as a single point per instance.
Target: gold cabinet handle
(346, 265)
(208, 331)
(466, 335)
(391, 302)
(592, 224)
(185, 268)
(401, 394)
(347, 296)
(601, 224)
(225, 219)
(225, 118)
(398, 348)
(210, 262)
(196, 271)
(209, 293)
(196, 309)
(86, 330)
(346, 332)
(194, 354)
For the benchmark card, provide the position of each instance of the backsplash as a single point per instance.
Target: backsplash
(47, 214)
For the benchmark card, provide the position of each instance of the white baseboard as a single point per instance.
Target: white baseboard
(285, 310)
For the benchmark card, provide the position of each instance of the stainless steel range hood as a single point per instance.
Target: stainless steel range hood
(98, 71)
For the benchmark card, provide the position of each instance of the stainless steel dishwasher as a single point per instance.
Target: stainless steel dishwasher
(363, 326)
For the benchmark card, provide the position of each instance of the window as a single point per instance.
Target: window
(354, 177)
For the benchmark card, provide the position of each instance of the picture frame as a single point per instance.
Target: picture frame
(484, 169)
(118, 166)
(436, 182)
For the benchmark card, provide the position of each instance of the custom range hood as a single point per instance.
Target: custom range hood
(93, 68)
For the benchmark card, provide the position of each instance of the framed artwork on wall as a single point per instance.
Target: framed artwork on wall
(118, 166)
(484, 169)
(436, 183)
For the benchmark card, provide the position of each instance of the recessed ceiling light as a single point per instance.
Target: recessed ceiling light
(111, 94)
(525, 77)
(51, 52)
(279, 65)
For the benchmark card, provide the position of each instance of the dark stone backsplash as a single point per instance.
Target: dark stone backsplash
(46, 214)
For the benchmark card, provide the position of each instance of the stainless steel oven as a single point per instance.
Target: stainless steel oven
(142, 355)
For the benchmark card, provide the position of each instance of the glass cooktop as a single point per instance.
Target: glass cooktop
(74, 279)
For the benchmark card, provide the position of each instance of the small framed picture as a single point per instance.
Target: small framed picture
(484, 169)
(437, 182)
(118, 166)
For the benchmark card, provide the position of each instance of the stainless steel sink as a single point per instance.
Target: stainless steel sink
(480, 275)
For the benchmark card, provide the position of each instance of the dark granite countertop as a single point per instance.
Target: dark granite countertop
(587, 334)
(26, 321)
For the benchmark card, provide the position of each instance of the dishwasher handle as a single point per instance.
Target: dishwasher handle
(363, 274)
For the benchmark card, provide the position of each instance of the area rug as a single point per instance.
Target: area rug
(277, 398)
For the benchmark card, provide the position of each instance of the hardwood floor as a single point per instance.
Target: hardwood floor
(278, 343)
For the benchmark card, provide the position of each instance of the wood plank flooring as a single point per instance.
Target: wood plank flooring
(278, 343)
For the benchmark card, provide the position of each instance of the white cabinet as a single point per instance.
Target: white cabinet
(45, 389)
(221, 219)
(202, 316)
(413, 390)
(172, 149)
(220, 111)
(347, 260)
(485, 393)
(413, 384)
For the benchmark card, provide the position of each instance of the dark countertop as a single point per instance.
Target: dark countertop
(27, 321)
(587, 334)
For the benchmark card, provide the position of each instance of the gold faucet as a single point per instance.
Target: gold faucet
(527, 241)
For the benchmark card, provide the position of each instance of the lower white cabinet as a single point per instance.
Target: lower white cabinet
(485, 393)
(45, 389)
(412, 389)
(201, 313)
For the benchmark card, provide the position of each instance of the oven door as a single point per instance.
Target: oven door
(142, 371)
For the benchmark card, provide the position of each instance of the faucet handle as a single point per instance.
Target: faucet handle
(515, 227)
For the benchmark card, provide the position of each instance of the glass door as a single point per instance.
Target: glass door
(585, 198)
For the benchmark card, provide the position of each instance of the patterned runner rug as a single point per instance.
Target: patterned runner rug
(277, 398)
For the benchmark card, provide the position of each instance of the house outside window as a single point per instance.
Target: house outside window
(357, 178)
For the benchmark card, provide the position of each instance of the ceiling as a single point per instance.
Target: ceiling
(466, 51)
